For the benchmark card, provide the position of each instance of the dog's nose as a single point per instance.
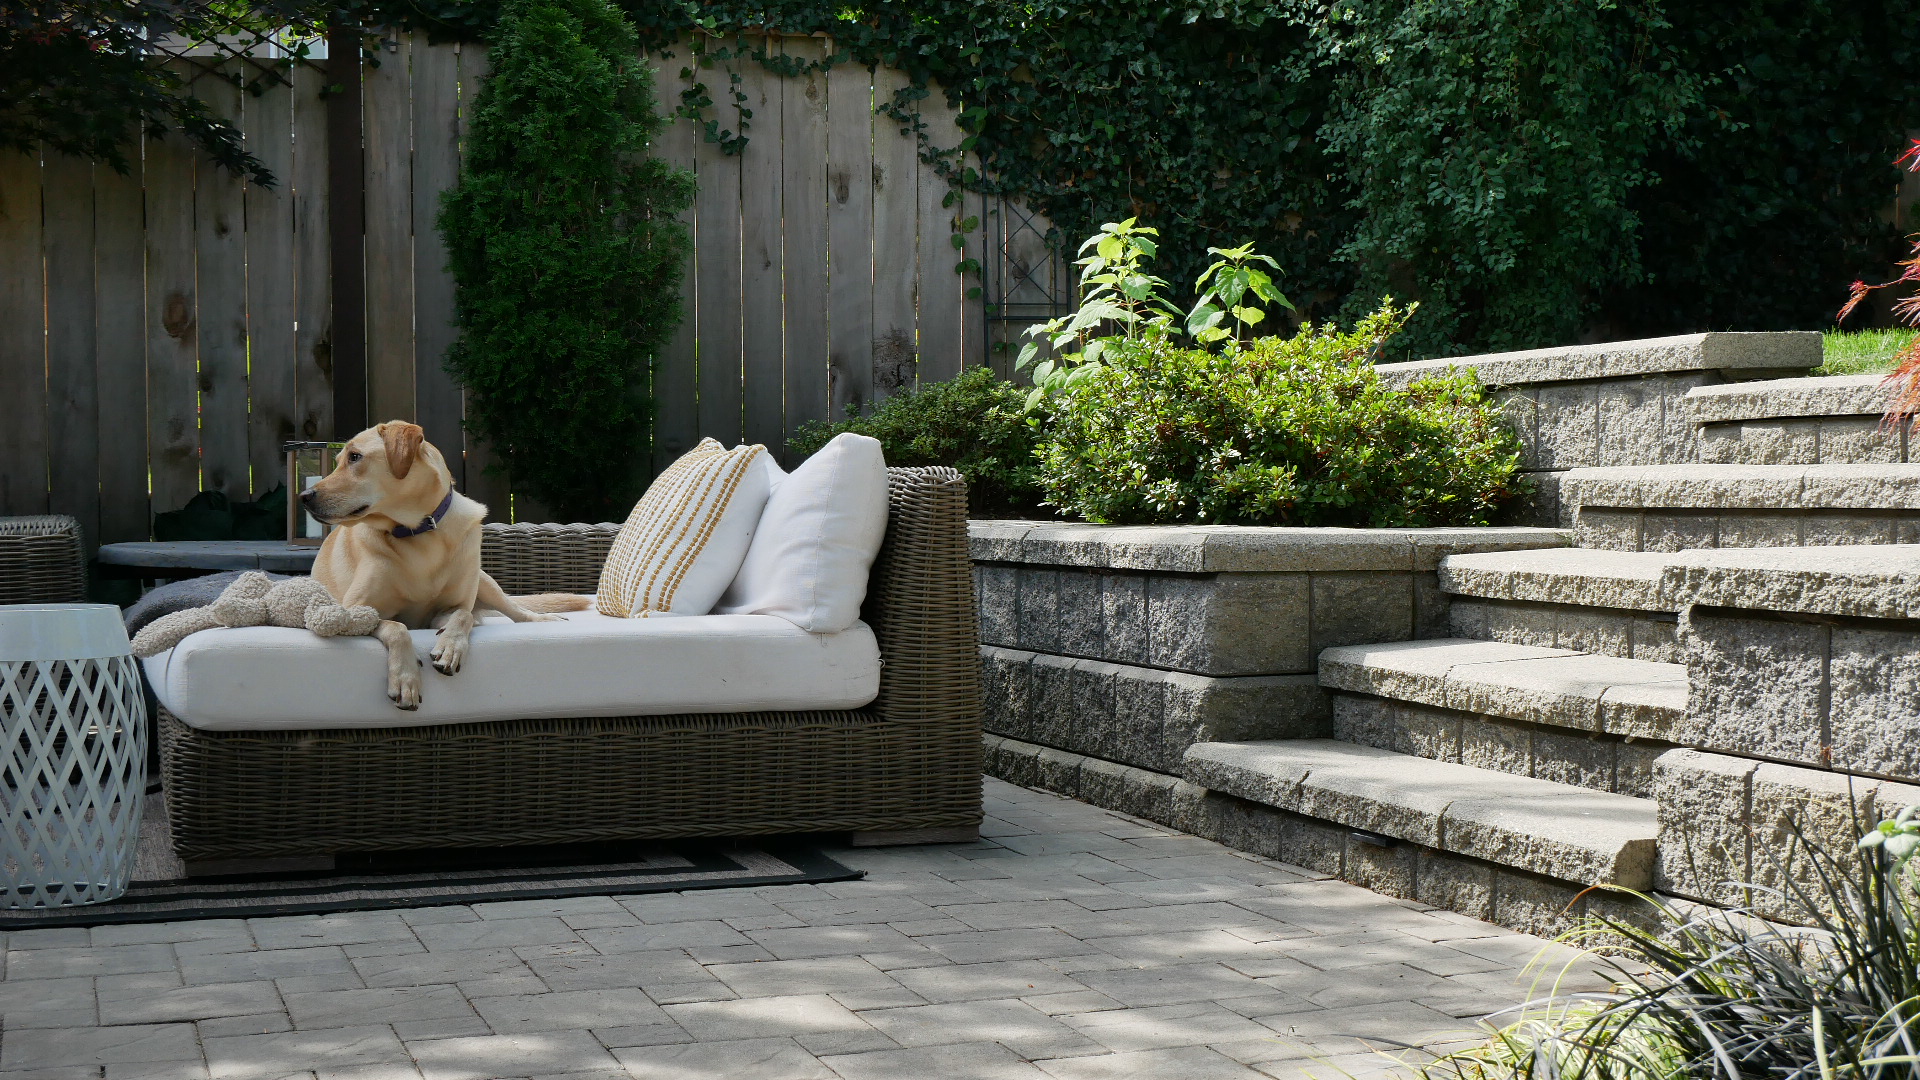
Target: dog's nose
(306, 497)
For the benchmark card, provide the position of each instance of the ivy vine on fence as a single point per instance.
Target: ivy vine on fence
(1529, 172)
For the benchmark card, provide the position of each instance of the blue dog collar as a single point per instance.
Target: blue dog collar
(428, 523)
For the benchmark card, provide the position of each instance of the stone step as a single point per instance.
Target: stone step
(1684, 507)
(1587, 759)
(1609, 603)
(1825, 421)
(1556, 830)
(1550, 687)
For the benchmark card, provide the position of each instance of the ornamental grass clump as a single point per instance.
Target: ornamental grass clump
(1285, 430)
(1709, 994)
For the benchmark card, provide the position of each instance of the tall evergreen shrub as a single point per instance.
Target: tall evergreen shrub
(566, 255)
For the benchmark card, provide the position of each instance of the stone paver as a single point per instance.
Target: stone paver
(1071, 943)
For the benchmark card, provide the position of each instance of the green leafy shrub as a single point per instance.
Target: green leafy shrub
(975, 423)
(1294, 430)
(566, 255)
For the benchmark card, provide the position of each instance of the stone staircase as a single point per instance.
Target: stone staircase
(1726, 654)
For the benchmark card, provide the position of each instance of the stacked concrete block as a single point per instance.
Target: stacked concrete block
(1130, 645)
(1736, 831)
(1669, 508)
(1617, 403)
(1804, 655)
(1826, 421)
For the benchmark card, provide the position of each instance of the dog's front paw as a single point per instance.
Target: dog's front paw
(546, 618)
(449, 652)
(403, 687)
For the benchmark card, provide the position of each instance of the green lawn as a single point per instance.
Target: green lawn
(1862, 352)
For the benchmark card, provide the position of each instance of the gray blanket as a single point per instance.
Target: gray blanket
(181, 595)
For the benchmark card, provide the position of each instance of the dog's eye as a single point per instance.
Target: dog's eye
(353, 456)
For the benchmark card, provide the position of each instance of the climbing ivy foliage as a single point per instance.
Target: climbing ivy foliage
(1498, 144)
(1530, 173)
(566, 255)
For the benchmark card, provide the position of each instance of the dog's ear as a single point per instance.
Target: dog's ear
(403, 446)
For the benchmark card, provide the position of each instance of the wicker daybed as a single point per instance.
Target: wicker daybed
(903, 769)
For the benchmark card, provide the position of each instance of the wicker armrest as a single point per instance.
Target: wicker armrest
(920, 604)
(532, 557)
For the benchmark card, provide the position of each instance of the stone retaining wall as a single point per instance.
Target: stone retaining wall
(1617, 403)
(1131, 644)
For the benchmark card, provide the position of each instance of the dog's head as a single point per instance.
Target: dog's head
(390, 470)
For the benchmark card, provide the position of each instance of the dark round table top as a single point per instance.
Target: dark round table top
(277, 556)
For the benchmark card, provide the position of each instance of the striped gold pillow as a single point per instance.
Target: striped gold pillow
(687, 536)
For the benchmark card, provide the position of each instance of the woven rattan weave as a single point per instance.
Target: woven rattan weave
(910, 760)
(42, 560)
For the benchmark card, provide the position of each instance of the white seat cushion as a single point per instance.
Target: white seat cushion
(272, 678)
(817, 539)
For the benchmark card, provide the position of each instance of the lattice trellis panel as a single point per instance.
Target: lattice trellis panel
(72, 779)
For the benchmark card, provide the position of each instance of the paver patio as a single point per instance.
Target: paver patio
(1073, 943)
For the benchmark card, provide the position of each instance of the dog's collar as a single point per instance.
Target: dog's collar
(428, 523)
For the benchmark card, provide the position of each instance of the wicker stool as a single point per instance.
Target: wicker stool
(42, 560)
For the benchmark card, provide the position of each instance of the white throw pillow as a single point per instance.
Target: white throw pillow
(817, 538)
(686, 537)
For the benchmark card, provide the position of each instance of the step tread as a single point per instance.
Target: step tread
(1586, 577)
(1559, 830)
(1880, 581)
(1555, 687)
(1891, 486)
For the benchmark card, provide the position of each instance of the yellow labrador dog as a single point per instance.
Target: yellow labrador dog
(408, 546)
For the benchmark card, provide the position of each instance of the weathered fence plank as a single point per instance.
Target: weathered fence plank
(803, 219)
(120, 358)
(173, 422)
(389, 237)
(312, 261)
(717, 318)
(939, 295)
(220, 270)
(436, 167)
(73, 404)
(484, 482)
(850, 152)
(762, 260)
(675, 371)
(896, 216)
(23, 373)
(272, 312)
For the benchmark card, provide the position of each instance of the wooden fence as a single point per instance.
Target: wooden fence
(164, 332)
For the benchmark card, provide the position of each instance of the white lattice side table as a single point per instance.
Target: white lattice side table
(73, 753)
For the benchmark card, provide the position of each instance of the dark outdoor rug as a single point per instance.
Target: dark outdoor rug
(382, 882)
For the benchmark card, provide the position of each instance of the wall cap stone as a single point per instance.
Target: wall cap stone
(1587, 577)
(1781, 352)
(1877, 581)
(1758, 487)
(1561, 831)
(1207, 549)
(1771, 399)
